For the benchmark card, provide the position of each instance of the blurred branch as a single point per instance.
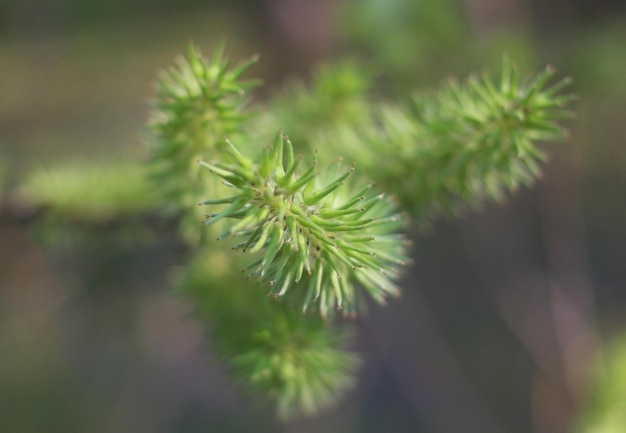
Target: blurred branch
(83, 195)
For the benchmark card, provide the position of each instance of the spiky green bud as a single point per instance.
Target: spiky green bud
(197, 102)
(318, 235)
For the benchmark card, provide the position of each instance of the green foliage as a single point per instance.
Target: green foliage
(439, 152)
(435, 32)
(480, 138)
(84, 191)
(82, 203)
(197, 103)
(314, 231)
(462, 144)
(606, 410)
(298, 361)
(337, 94)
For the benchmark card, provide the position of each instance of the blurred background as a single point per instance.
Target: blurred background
(504, 311)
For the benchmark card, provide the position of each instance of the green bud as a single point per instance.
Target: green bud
(315, 235)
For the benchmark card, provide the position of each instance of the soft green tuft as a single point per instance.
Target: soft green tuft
(297, 362)
(197, 102)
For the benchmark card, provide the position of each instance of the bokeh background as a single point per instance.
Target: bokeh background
(504, 311)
